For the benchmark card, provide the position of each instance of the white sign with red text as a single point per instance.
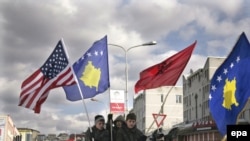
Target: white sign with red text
(117, 101)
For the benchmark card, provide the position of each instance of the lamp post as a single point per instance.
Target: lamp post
(126, 65)
(96, 100)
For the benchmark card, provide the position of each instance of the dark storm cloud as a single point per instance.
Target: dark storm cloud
(29, 34)
(31, 29)
(9, 96)
(29, 24)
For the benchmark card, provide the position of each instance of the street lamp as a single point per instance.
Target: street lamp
(126, 65)
(96, 100)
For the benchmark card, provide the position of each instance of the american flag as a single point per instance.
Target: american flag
(55, 72)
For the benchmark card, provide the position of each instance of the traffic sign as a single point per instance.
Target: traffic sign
(159, 118)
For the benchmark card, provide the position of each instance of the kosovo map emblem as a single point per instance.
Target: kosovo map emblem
(91, 75)
(229, 94)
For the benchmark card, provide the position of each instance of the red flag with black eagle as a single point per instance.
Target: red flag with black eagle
(165, 73)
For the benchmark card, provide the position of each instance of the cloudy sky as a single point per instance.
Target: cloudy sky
(29, 31)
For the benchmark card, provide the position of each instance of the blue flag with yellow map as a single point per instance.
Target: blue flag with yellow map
(92, 72)
(230, 90)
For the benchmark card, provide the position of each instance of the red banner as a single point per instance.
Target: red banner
(117, 107)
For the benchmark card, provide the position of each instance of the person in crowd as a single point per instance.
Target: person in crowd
(97, 132)
(158, 135)
(129, 131)
(113, 126)
(119, 121)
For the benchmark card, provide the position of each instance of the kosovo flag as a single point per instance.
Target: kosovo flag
(92, 72)
(230, 89)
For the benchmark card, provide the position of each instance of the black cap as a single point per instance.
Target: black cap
(99, 118)
(131, 116)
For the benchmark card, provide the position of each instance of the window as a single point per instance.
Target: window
(242, 115)
(161, 110)
(178, 99)
(185, 101)
(189, 99)
(189, 114)
(28, 137)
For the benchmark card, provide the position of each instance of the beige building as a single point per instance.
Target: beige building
(8, 131)
(196, 87)
(151, 102)
(28, 134)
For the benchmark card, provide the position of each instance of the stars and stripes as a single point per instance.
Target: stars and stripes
(55, 72)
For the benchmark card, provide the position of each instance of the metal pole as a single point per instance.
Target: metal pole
(126, 73)
(126, 66)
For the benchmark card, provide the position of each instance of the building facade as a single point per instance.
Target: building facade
(8, 131)
(196, 89)
(28, 134)
(151, 102)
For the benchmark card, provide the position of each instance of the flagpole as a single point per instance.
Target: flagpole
(165, 99)
(111, 122)
(78, 86)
